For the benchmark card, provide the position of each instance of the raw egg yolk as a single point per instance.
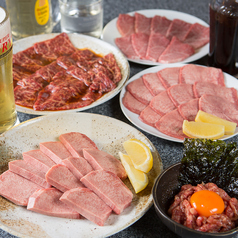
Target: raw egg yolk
(207, 203)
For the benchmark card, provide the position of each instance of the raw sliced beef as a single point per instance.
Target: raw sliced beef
(153, 83)
(156, 45)
(109, 188)
(178, 28)
(65, 62)
(138, 90)
(46, 201)
(61, 178)
(189, 109)
(201, 88)
(38, 159)
(169, 76)
(176, 51)
(28, 171)
(19, 73)
(171, 124)
(162, 103)
(181, 93)
(149, 116)
(218, 106)
(132, 103)
(75, 142)
(88, 204)
(140, 43)
(55, 150)
(160, 24)
(16, 188)
(34, 81)
(99, 159)
(192, 73)
(197, 36)
(125, 45)
(125, 24)
(78, 166)
(142, 23)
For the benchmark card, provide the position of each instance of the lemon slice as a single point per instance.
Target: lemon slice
(230, 127)
(203, 130)
(140, 154)
(138, 179)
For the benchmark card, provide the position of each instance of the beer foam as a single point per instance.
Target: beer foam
(2, 15)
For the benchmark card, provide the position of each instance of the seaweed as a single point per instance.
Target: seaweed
(213, 161)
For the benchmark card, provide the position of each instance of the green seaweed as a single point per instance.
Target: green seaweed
(213, 161)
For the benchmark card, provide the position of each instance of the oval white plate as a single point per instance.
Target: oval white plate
(230, 81)
(110, 32)
(108, 134)
(80, 41)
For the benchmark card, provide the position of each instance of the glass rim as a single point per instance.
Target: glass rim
(6, 16)
(94, 2)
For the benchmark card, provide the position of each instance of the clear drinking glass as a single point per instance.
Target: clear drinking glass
(82, 16)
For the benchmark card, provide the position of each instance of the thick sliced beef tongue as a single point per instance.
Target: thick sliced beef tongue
(160, 24)
(142, 23)
(140, 44)
(169, 76)
(189, 109)
(125, 24)
(149, 116)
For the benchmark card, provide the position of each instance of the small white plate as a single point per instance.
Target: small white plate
(110, 32)
(108, 134)
(230, 81)
(80, 41)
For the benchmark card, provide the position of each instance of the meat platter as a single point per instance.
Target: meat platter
(110, 32)
(108, 134)
(81, 42)
(230, 82)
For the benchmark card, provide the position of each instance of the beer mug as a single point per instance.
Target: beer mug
(8, 115)
(32, 17)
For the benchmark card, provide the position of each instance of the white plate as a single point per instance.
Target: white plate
(230, 81)
(80, 41)
(110, 32)
(108, 134)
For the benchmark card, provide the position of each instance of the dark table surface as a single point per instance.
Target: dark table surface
(170, 152)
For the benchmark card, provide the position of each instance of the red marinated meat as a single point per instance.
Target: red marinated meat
(160, 24)
(118, 196)
(88, 204)
(140, 43)
(192, 73)
(34, 81)
(132, 103)
(28, 171)
(78, 166)
(55, 150)
(189, 109)
(218, 106)
(16, 188)
(75, 142)
(46, 202)
(153, 83)
(125, 45)
(99, 159)
(125, 24)
(178, 28)
(142, 23)
(61, 178)
(162, 103)
(181, 93)
(149, 116)
(138, 90)
(171, 124)
(19, 73)
(201, 88)
(197, 36)
(65, 62)
(176, 51)
(155, 49)
(38, 159)
(169, 76)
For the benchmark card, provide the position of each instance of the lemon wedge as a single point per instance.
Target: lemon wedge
(138, 179)
(203, 130)
(230, 127)
(139, 154)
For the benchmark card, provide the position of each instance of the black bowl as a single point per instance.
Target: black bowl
(164, 190)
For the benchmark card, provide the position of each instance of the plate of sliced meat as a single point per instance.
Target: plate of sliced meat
(53, 165)
(182, 37)
(65, 72)
(158, 100)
